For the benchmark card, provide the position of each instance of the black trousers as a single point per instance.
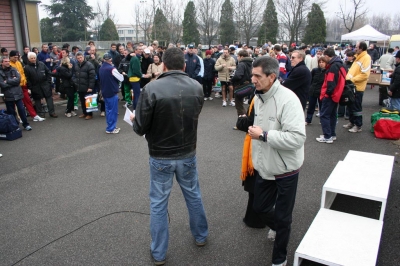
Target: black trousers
(207, 86)
(280, 193)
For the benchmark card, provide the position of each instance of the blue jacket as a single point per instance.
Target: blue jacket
(192, 65)
(109, 83)
(42, 57)
(209, 71)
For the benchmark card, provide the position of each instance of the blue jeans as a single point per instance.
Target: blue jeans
(135, 86)
(395, 103)
(111, 112)
(161, 178)
(356, 109)
(328, 117)
(10, 105)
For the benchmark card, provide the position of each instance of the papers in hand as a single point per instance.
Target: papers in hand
(127, 116)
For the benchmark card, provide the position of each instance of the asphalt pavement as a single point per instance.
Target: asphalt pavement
(70, 194)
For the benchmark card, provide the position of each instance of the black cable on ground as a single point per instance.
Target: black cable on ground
(73, 231)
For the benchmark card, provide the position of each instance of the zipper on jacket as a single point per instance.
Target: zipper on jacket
(282, 159)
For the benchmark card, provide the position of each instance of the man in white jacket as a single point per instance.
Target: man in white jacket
(278, 135)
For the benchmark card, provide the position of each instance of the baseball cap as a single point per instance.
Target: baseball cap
(190, 46)
(208, 52)
(146, 51)
(107, 56)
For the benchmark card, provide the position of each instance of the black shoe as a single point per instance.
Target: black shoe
(157, 262)
(201, 244)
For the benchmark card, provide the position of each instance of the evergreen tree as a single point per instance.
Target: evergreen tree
(160, 28)
(108, 31)
(227, 26)
(190, 29)
(72, 17)
(269, 27)
(315, 31)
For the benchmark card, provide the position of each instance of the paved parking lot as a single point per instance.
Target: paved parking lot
(70, 194)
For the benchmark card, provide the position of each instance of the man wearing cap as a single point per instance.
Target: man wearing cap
(26, 99)
(192, 63)
(147, 60)
(109, 78)
(209, 74)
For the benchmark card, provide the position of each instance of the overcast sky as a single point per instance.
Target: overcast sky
(123, 9)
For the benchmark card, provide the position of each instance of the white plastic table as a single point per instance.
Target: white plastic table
(361, 174)
(337, 238)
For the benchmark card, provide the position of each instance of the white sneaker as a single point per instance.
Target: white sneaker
(324, 140)
(348, 125)
(68, 114)
(246, 101)
(38, 119)
(217, 95)
(355, 129)
(210, 99)
(281, 264)
(271, 235)
(333, 137)
(223, 103)
(232, 103)
(318, 114)
(102, 114)
(205, 98)
(73, 113)
(76, 108)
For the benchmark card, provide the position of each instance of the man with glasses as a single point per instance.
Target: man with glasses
(358, 74)
(299, 78)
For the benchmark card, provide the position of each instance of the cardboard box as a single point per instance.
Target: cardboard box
(374, 78)
(385, 77)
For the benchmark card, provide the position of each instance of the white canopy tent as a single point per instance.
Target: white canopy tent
(366, 33)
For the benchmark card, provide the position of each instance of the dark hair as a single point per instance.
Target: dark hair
(330, 52)
(277, 48)
(390, 50)
(323, 59)
(173, 59)
(91, 41)
(243, 53)
(268, 64)
(113, 44)
(363, 46)
(74, 48)
(79, 54)
(65, 45)
(350, 53)
(33, 49)
(65, 49)
(26, 46)
(307, 52)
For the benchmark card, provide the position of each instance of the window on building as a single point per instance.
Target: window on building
(130, 31)
(120, 31)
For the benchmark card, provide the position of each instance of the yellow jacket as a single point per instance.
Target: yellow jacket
(359, 71)
(18, 65)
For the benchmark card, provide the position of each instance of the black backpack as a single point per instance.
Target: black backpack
(348, 95)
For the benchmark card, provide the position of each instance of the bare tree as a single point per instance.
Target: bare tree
(350, 17)
(380, 22)
(293, 15)
(102, 12)
(208, 19)
(248, 16)
(396, 22)
(174, 17)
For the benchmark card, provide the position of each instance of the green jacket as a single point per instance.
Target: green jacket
(134, 68)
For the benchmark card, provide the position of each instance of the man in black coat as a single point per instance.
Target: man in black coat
(394, 89)
(84, 79)
(299, 79)
(38, 79)
(9, 84)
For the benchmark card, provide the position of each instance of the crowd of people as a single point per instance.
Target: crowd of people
(167, 87)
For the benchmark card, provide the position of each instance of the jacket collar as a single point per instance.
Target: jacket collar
(172, 73)
(265, 96)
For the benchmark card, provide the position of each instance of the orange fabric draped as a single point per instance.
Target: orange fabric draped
(247, 163)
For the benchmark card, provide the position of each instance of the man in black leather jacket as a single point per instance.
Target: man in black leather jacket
(167, 112)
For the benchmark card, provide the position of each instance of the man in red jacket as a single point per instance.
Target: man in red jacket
(331, 91)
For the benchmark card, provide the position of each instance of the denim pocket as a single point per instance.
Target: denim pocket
(161, 172)
(190, 168)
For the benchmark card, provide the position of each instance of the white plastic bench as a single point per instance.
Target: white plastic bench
(337, 238)
(361, 174)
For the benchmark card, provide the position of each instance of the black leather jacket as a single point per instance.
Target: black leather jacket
(167, 112)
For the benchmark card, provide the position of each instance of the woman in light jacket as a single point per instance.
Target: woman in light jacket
(156, 69)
